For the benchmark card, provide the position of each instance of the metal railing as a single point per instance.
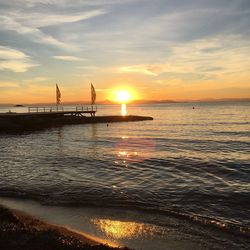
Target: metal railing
(44, 109)
(86, 108)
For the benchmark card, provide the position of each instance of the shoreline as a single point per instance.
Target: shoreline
(21, 231)
(115, 228)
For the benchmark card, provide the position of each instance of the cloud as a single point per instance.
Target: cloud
(31, 19)
(8, 53)
(14, 60)
(132, 40)
(69, 58)
(37, 79)
(52, 19)
(215, 55)
(89, 67)
(6, 84)
(31, 33)
(200, 59)
(154, 69)
(141, 69)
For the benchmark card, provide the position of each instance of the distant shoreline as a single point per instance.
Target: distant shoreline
(135, 102)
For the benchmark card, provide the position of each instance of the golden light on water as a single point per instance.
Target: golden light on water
(134, 150)
(124, 229)
(123, 109)
(122, 153)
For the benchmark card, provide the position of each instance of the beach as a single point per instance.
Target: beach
(111, 227)
(20, 231)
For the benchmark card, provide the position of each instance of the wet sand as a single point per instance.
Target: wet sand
(20, 231)
(111, 226)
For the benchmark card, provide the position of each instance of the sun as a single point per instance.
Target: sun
(123, 96)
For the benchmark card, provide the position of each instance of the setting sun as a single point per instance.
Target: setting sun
(123, 96)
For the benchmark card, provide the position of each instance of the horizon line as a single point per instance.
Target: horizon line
(140, 101)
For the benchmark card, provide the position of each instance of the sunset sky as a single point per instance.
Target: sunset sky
(161, 49)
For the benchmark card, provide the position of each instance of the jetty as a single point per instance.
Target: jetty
(41, 117)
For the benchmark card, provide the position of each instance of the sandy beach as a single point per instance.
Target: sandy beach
(20, 231)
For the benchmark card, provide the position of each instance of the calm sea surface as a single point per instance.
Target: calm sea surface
(189, 162)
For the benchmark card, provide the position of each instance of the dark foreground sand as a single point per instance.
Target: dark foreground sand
(19, 231)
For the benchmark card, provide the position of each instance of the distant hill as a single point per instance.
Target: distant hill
(179, 101)
(109, 102)
(219, 100)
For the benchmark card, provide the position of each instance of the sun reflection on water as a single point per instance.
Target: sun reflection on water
(124, 229)
(124, 109)
(134, 149)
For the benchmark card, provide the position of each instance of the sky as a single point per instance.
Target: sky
(158, 50)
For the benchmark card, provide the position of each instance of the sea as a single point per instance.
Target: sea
(180, 181)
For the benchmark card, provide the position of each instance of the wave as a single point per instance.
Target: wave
(207, 221)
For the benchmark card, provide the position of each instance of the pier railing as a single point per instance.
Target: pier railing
(45, 109)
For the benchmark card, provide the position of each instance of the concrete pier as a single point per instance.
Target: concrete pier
(39, 120)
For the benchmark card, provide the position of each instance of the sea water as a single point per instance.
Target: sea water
(192, 163)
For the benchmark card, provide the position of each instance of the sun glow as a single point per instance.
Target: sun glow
(123, 96)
